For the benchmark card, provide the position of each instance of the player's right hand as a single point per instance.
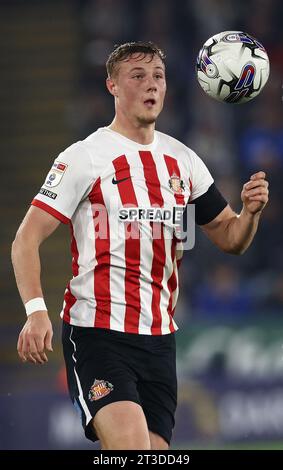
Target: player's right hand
(35, 338)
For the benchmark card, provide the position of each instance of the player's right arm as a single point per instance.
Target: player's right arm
(36, 335)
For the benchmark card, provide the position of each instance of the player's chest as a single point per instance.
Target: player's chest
(146, 179)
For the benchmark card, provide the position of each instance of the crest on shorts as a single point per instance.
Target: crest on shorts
(176, 184)
(99, 389)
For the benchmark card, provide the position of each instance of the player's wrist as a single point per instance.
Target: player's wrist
(249, 214)
(36, 304)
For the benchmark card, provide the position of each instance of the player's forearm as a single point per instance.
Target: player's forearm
(240, 231)
(26, 263)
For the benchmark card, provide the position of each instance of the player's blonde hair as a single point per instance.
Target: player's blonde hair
(124, 51)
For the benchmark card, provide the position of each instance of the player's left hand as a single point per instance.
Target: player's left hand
(255, 192)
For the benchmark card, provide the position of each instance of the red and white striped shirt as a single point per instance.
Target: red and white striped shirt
(124, 283)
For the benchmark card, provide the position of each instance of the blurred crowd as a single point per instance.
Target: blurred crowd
(233, 140)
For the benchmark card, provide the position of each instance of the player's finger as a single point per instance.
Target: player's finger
(258, 175)
(260, 198)
(40, 352)
(257, 191)
(20, 346)
(40, 357)
(256, 183)
(48, 340)
(19, 342)
(25, 347)
(40, 348)
(31, 359)
(34, 355)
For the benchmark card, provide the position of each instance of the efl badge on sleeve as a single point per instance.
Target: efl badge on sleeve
(55, 174)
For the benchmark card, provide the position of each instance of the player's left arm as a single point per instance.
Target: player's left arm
(234, 233)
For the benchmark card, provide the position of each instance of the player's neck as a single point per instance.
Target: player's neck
(141, 134)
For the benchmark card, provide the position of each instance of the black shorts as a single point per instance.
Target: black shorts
(106, 366)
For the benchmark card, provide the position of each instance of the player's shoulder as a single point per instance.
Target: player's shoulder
(96, 137)
(174, 145)
(168, 139)
(74, 156)
(84, 148)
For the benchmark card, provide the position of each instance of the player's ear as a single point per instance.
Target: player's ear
(111, 86)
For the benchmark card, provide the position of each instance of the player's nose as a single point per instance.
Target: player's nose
(151, 84)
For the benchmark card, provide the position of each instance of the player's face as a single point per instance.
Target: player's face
(140, 88)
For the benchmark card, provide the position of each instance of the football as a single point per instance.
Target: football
(232, 67)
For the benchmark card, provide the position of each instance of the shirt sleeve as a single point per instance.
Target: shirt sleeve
(201, 178)
(209, 205)
(68, 182)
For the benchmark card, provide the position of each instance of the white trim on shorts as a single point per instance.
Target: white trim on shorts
(81, 396)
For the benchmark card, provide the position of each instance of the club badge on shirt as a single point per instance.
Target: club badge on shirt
(176, 184)
(55, 174)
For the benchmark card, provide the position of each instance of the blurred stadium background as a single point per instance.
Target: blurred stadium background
(230, 342)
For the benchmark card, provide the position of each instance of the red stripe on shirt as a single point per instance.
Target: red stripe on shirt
(102, 253)
(50, 210)
(172, 285)
(158, 245)
(132, 247)
(69, 298)
(75, 252)
(173, 169)
(179, 261)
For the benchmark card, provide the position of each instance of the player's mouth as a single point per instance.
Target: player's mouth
(150, 103)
